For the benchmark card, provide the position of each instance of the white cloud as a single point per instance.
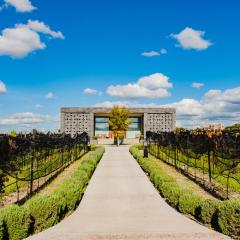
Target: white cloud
(20, 5)
(49, 95)
(197, 85)
(3, 88)
(90, 91)
(24, 118)
(192, 39)
(215, 106)
(212, 93)
(38, 106)
(23, 39)
(41, 27)
(18, 42)
(187, 107)
(152, 86)
(150, 54)
(154, 53)
(110, 104)
(163, 51)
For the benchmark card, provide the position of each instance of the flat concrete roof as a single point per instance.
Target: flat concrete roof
(108, 110)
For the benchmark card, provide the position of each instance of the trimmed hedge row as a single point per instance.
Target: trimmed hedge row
(223, 216)
(44, 211)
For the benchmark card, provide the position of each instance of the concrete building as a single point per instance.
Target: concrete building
(94, 121)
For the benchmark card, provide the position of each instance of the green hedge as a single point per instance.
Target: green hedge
(190, 203)
(43, 211)
(15, 222)
(208, 212)
(229, 218)
(223, 216)
(2, 228)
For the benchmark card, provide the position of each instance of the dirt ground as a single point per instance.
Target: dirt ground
(183, 179)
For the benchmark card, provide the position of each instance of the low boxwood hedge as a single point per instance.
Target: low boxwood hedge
(15, 222)
(43, 211)
(208, 212)
(229, 218)
(189, 203)
(2, 228)
(223, 216)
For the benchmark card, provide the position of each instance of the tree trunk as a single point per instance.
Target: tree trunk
(117, 140)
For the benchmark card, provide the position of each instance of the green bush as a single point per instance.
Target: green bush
(208, 212)
(2, 228)
(46, 210)
(160, 179)
(15, 223)
(189, 203)
(71, 193)
(229, 218)
(172, 192)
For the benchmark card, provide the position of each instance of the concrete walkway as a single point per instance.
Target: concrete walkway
(121, 203)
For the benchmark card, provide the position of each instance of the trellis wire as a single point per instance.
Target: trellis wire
(26, 159)
(211, 158)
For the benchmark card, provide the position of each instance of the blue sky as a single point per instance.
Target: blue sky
(87, 53)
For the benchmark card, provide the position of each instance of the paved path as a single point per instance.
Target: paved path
(121, 203)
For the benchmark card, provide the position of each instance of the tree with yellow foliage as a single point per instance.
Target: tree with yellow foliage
(119, 121)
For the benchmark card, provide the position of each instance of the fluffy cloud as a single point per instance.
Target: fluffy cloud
(23, 39)
(18, 42)
(3, 88)
(26, 121)
(152, 86)
(41, 27)
(90, 91)
(215, 106)
(49, 95)
(127, 104)
(154, 53)
(20, 5)
(197, 85)
(192, 39)
(24, 118)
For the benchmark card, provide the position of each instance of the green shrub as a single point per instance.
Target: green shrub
(160, 179)
(2, 227)
(46, 210)
(71, 192)
(172, 192)
(17, 222)
(190, 204)
(229, 217)
(208, 212)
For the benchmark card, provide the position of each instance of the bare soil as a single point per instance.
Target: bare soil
(61, 177)
(183, 179)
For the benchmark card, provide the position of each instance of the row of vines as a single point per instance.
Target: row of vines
(27, 162)
(210, 158)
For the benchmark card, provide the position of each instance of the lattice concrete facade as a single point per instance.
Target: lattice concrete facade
(78, 120)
